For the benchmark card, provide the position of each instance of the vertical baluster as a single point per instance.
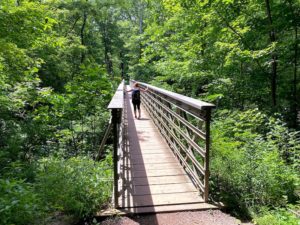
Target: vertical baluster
(116, 120)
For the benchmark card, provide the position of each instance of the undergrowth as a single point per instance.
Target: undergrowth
(78, 186)
(254, 165)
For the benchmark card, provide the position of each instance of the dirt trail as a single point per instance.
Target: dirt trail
(210, 217)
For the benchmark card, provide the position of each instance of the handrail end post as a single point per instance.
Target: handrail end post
(116, 120)
(207, 149)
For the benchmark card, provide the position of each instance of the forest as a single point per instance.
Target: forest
(62, 60)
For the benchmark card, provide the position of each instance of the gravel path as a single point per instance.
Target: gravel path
(210, 217)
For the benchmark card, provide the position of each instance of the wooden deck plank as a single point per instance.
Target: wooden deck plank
(148, 146)
(147, 156)
(146, 190)
(163, 189)
(159, 180)
(148, 131)
(147, 167)
(147, 149)
(158, 209)
(153, 155)
(172, 208)
(153, 173)
(161, 199)
(153, 144)
(154, 160)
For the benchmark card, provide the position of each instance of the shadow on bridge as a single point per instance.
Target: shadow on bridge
(132, 162)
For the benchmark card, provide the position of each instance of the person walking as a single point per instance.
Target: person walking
(136, 98)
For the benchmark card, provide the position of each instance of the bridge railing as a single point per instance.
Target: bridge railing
(184, 122)
(116, 106)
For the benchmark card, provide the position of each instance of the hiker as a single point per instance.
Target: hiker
(136, 98)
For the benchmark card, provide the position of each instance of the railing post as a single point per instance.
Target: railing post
(207, 147)
(116, 106)
(116, 120)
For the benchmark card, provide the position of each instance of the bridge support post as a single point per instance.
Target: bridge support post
(116, 106)
(207, 148)
(116, 121)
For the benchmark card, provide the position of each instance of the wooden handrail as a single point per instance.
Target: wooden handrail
(195, 103)
(116, 106)
(184, 122)
(117, 101)
(191, 105)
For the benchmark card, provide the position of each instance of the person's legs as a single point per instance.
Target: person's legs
(134, 108)
(139, 108)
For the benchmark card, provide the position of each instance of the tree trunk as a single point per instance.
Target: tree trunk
(122, 65)
(294, 107)
(274, 56)
(82, 34)
(73, 26)
(141, 14)
(75, 148)
(107, 51)
(141, 20)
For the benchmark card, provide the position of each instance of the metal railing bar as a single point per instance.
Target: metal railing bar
(180, 106)
(197, 131)
(190, 141)
(196, 114)
(197, 181)
(182, 160)
(194, 160)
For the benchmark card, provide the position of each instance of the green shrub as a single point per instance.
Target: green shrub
(79, 185)
(247, 168)
(18, 203)
(277, 217)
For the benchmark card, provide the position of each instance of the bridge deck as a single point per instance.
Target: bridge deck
(151, 178)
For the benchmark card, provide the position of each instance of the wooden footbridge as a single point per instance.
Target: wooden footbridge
(161, 161)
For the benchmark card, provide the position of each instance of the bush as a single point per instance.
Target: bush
(79, 185)
(18, 202)
(247, 169)
(276, 217)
